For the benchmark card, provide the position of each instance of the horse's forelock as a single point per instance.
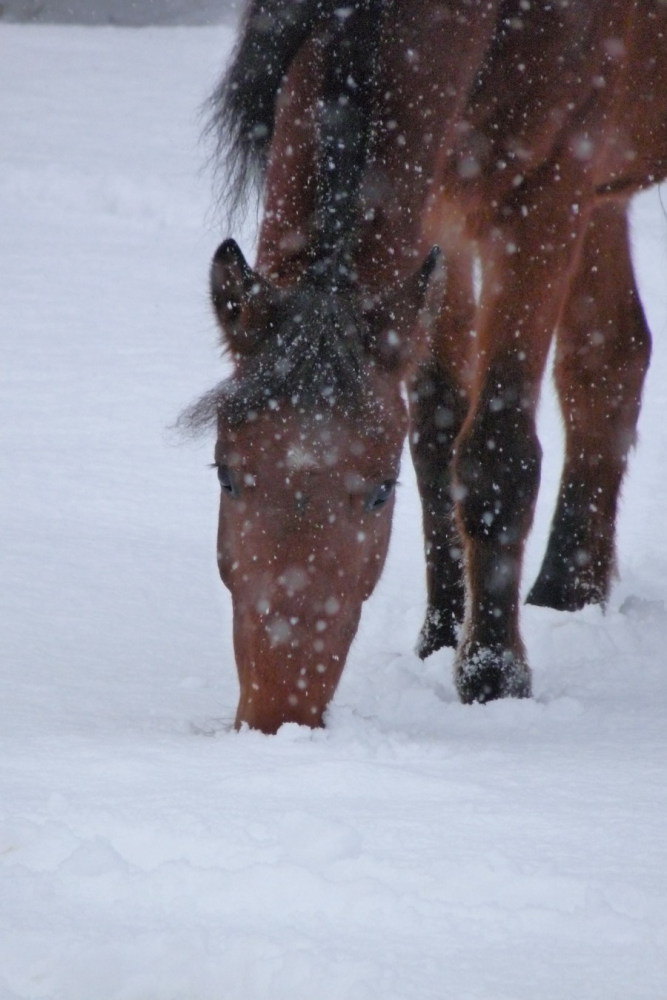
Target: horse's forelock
(315, 355)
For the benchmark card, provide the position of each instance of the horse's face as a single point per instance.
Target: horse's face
(305, 516)
(307, 493)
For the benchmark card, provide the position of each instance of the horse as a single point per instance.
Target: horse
(445, 186)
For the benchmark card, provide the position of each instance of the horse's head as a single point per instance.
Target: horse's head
(310, 431)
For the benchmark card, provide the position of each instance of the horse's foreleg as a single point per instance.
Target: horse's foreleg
(526, 269)
(497, 470)
(438, 405)
(602, 355)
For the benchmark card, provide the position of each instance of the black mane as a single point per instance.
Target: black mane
(243, 104)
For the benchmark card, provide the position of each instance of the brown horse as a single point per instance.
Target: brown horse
(511, 133)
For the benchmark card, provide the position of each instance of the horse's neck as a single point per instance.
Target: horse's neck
(422, 43)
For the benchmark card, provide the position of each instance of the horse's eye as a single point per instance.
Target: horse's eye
(380, 495)
(225, 479)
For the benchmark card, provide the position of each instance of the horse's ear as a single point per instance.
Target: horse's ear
(237, 294)
(400, 320)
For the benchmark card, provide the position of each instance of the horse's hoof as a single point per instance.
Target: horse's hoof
(565, 591)
(483, 675)
(439, 629)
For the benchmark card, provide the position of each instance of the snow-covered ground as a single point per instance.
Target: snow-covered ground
(416, 849)
(135, 13)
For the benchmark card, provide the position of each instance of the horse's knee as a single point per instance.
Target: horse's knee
(497, 474)
(437, 410)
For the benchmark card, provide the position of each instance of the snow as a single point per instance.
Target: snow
(414, 850)
(121, 12)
